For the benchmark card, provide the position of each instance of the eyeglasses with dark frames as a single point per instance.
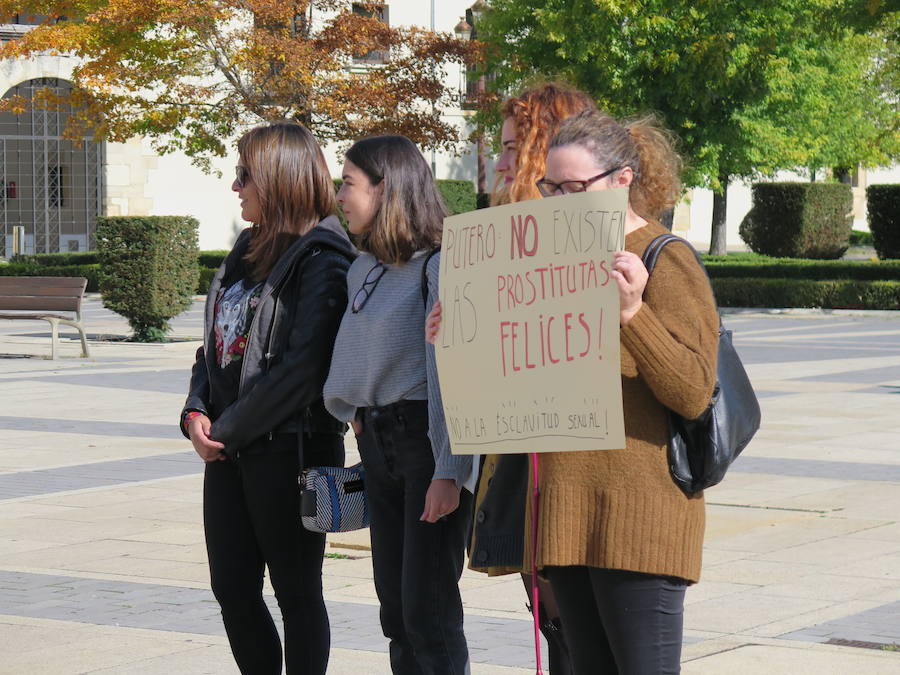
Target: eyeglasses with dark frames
(548, 188)
(241, 175)
(368, 287)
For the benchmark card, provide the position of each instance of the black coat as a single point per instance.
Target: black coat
(288, 352)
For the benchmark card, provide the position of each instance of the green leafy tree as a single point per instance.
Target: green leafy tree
(748, 87)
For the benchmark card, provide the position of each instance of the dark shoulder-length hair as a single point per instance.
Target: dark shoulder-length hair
(293, 185)
(411, 214)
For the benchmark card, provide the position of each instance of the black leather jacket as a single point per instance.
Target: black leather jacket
(289, 346)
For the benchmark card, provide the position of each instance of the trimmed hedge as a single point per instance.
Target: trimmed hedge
(861, 238)
(826, 294)
(799, 220)
(149, 270)
(57, 259)
(206, 277)
(791, 268)
(883, 205)
(89, 272)
(211, 258)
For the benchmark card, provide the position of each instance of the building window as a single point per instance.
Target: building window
(55, 186)
(379, 12)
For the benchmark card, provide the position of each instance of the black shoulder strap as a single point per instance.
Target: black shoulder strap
(428, 257)
(655, 247)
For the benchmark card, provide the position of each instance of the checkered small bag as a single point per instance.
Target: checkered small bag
(333, 498)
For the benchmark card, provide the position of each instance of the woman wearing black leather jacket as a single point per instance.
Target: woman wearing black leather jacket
(255, 399)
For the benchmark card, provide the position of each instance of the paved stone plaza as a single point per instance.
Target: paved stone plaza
(103, 567)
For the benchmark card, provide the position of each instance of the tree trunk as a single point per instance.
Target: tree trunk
(717, 244)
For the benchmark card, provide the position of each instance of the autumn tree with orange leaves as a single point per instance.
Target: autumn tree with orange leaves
(191, 74)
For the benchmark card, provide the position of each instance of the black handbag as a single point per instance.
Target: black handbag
(701, 450)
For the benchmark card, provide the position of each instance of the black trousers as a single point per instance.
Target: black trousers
(417, 564)
(620, 622)
(251, 516)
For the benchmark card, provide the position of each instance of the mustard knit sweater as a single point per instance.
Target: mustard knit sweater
(620, 509)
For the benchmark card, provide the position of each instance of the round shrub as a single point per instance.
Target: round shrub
(883, 206)
(799, 220)
(148, 269)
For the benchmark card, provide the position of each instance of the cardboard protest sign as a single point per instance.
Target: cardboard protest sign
(528, 351)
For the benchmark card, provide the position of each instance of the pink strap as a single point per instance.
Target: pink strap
(535, 607)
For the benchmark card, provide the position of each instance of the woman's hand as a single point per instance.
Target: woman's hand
(208, 449)
(433, 322)
(441, 499)
(631, 278)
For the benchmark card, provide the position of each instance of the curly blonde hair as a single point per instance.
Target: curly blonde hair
(537, 114)
(642, 144)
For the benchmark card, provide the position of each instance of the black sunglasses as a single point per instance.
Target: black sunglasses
(365, 291)
(241, 175)
(548, 188)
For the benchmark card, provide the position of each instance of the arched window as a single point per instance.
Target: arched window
(51, 186)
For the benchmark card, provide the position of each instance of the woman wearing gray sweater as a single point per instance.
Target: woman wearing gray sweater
(383, 380)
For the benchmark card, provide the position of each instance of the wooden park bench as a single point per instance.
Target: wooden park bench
(36, 297)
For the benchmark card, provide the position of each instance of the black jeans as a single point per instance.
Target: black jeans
(620, 622)
(417, 564)
(251, 516)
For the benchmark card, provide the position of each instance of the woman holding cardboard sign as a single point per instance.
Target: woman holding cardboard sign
(617, 539)
(383, 381)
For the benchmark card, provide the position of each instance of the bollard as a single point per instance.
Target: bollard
(18, 240)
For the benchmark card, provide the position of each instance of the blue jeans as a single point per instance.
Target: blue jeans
(417, 564)
(620, 622)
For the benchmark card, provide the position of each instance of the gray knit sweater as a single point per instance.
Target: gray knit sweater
(380, 355)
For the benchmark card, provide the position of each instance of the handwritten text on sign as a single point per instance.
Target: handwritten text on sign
(528, 353)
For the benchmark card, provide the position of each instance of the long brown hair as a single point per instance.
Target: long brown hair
(411, 214)
(293, 185)
(641, 144)
(537, 114)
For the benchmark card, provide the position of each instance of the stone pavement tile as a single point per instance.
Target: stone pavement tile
(78, 555)
(755, 659)
(501, 597)
(148, 571)
(795, 370)
(82, 650)
(709, 589)
(759, 532)
(349, 589)
(744, 611)
(182, 535)
(880, 567)
(202, 660)
(876, 501)
(880, 625)
(753, 571)
(828, 553)
(53, 647)
(817, 468)
(63, 532)
(714, 556)
(833, 587)
(888, 532)
(831, 611)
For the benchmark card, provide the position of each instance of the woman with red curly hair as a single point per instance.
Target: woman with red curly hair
(529, 122)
